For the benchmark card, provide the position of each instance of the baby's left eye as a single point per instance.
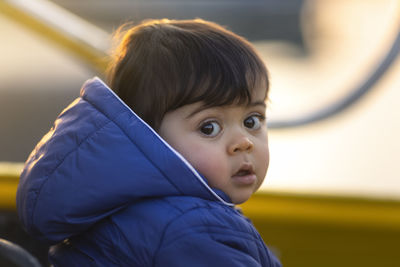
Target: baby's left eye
(253, 122)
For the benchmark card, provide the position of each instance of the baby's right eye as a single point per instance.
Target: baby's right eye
(210, 128)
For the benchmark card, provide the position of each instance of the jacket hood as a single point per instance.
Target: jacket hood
(99, 157)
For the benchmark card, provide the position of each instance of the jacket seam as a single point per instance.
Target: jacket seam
(165, 230)
(245, 235)
(46, 177)
(114, 226)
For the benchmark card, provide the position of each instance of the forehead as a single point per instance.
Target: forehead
(257, 94)
(258, 98)
(260, 92)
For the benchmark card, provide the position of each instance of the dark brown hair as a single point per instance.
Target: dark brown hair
(161, 65)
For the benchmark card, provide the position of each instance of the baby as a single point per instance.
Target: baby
(146, 171)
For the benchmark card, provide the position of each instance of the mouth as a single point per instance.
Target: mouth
(245, 175)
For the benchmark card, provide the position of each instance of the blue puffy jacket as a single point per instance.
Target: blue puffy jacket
(105, 190)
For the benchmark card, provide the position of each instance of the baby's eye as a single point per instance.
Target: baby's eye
(210, 128)
(253, 122)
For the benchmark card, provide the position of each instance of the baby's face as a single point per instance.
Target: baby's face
(228, 145)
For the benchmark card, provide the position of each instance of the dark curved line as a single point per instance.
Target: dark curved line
(17, 255)
(347, 101)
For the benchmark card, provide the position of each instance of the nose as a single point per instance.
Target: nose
(240, 144)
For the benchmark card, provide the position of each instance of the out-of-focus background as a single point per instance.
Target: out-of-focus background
(332, 193)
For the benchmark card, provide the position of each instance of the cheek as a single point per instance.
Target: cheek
(207, 160)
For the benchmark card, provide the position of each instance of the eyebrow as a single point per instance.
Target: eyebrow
(201, 108)
(197, 110)
(257, 103)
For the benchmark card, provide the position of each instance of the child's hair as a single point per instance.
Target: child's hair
(161, 65)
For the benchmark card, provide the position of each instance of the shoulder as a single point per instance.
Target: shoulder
(207, 216)
(214, 220)
(160, 221)
(180, 211)
(159, 230)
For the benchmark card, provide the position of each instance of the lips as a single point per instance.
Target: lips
(245, 175)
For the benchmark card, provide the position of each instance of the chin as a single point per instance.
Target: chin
(240, 199)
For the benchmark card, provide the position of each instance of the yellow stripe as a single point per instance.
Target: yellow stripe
(9, 177)
(324, 209)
